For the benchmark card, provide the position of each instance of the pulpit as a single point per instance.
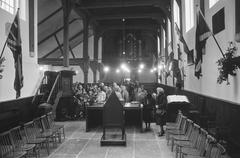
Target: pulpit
(64, 100)
(113, 117)
(176, 103)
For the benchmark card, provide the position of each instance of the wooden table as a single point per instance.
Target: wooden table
(133, 115)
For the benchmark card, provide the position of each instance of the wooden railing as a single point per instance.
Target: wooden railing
(53, 87)
(34, 98)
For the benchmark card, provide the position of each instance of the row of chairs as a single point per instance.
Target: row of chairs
(191, 141)
(36, 134)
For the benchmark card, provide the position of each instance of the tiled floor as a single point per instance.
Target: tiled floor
(81, 144)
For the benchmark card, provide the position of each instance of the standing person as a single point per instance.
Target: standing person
(161, 103)
(125, 93)
(148, 109)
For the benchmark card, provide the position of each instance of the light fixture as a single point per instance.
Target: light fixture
(106, 69)
(117, 71)
(124, 66)
(141, 66)
(43, 68)
(139, 70)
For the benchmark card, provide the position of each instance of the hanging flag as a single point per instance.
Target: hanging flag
(182, 40)
(14, 43)
(202, 34)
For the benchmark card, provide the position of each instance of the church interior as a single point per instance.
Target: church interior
(119, 78)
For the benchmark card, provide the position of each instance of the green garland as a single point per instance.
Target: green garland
(228, 64)
(1, 66)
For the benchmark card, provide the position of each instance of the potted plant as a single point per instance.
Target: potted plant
(228, 64)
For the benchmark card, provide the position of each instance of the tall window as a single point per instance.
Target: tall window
(212, 2)
(11, 6)
(177, 14)
(189, 14)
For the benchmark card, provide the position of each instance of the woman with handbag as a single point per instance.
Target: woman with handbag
(161, 102)
(148, 109)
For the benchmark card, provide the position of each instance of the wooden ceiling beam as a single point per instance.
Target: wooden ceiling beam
(162, 4)
(59, 62)
(72, 38)
(128, 16)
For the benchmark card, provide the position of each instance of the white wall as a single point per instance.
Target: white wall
(30, 67)
(207, 84)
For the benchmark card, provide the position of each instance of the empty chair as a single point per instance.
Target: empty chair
(188, 143)
(31, 135)
(186, 137)
(199, 149)
(175, 124)
(210, 141)
(217, 151)
(54, 126)
(42, 132)
(180, 131)
(20, 143)
(7, 148)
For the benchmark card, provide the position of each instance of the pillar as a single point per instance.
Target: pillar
(85, 49)
(67, 7)
(95, 41)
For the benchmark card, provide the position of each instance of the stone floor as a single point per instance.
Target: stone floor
(81, 144)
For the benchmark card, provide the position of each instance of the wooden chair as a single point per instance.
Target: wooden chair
(191, 142)
(174, 124)
(7, 148)
(217, 151)
(21, 144)
(42, 132)
(199, 149)
(181, 131)
(31, 135)
(208, 149)
(54, 126)
(185, 137)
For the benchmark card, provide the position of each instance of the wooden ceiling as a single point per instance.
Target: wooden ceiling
(102, 14)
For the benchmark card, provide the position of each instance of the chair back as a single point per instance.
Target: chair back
(183, 125)
(17, 137)
(194, 134)
(30, 131)
(6, 145)
(217, 151)
(45, 122)
(50, 118)
(179, 115)
(209, 144)
(38, 125)
(189, 126)
(202, 141)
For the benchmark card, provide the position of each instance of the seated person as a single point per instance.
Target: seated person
(101, 96)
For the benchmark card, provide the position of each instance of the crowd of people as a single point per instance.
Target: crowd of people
(154, 104)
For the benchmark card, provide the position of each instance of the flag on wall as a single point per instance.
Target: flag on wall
(202, 34)
(182, 40)
(14, 43)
